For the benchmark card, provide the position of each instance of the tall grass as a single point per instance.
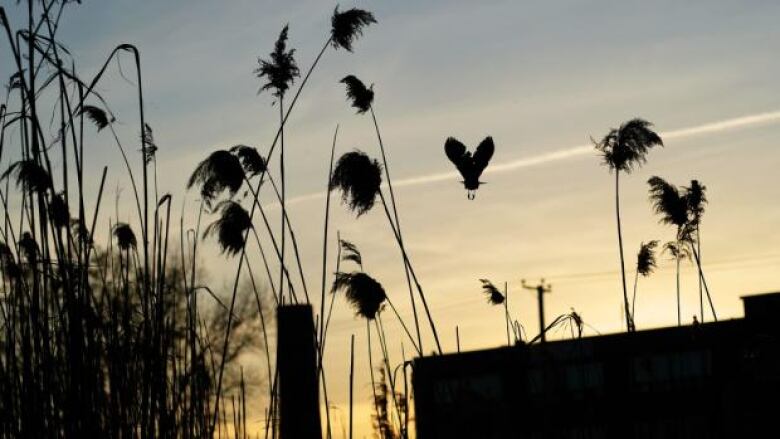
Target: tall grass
(109, 328)
(102, 335)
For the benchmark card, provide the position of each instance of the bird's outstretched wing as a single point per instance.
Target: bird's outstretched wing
(483, 154)
(455, 150)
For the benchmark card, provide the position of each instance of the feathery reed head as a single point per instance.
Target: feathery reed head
(677, 250)
(494, 297)
(8, 263)
(80, 231)
(364, 293)
(359, 178)
(250, 159)
(626, 148)
(29, 176)
(219, 171)
(361, 96)
(125, 237)
(696, 198)
(668, 202)
(96, 115)
(281, 70)
(58, 211)
(150, 148)
(15, 81)
(28, 247)
(645, 259)
(230, 227)
(347, 26)
(350, 252)
(687, 233)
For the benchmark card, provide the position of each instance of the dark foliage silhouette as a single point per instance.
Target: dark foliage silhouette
(230, 227)
(683, 209)
(28, 248)
(359, 178)
(347, 26)
(220, 171)
(494, 296)
(150, 147)
(645, 259)
(347, 29)
(10, 269)
(364, 293)
(362, 99)
(350, 252)
(58, 211)
(668, 202)
(29, 176)
(645, 264)
(696, 198)
(470, 166)
(125, 237)
(281, 70)
(253, 163)
(384, 399)
(113, 340)
(96, 115)
(624, 149)
(672, 207)
(677, 250)
(360, 96)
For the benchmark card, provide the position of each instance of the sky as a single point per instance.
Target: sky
(541, 78)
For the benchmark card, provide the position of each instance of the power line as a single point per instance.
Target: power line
(717, 263)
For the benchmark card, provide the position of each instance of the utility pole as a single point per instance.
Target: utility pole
(540, 289)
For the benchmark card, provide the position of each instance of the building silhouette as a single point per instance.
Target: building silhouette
(713, 380)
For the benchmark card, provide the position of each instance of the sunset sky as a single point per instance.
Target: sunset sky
(540, 77)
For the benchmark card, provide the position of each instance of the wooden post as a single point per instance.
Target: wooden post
(540, 289)
(299, 405)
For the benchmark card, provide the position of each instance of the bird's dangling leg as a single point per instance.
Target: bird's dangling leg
(471, 194)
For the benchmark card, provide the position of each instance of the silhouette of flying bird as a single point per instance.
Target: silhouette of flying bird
(470, 166)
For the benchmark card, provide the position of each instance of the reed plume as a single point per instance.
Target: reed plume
(624, 149)
(360, 96)
(359, 178)
(362, 291)
(347, 26)
(230, 227)
(220, 171)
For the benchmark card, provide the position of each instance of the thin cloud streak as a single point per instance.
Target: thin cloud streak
(576, 151)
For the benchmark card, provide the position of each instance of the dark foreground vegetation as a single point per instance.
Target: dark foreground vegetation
(108, 327)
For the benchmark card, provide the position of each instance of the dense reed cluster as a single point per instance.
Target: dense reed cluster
(105, 330)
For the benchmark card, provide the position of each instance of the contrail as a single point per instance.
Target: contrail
(576, 151)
